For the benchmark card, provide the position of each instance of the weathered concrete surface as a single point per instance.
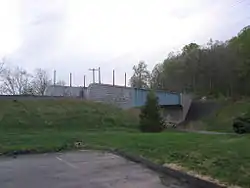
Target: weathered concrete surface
(200, 109)
(65, 91)
(77, 170)
(120, 96)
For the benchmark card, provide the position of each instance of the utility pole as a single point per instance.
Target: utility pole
(93, 71)
(54, 77)
(113, 77)
(125, 79)
(99, 71)
(70, 79)
(84, 81)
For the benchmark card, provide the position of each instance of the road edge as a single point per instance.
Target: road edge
(182, 176)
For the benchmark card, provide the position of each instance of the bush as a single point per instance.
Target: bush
(150, 117)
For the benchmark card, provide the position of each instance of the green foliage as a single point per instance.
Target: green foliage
(150, 117)
(141, 76)
(222, 119)
(217, 69)
(190, 47)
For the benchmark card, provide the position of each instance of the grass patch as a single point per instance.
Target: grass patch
(221, 120)
(63, 115)
(44, 126)
(224, 157)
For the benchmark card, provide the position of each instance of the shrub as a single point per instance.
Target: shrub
(150, 117)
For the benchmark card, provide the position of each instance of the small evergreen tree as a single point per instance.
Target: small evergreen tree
(150, 117)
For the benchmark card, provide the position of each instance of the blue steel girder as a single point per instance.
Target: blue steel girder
(165, 98)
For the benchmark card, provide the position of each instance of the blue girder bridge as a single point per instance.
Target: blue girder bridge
(165, 98)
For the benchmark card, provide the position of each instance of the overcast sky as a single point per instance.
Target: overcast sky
(75, 35)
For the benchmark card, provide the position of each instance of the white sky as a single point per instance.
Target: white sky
(75, 35)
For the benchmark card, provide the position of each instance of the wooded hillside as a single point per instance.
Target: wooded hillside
(217, 69)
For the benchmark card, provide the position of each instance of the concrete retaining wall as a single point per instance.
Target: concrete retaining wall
(172, 114)
(200, 109)
(177, 113)
(186, 101)
(66, 91)
(125, 97)
(119, 96)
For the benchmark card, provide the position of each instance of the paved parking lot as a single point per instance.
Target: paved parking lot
(82, 169)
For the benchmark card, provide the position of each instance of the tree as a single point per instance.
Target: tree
(1, 67)
(40, 81)
(156, 79)
(241, 44)
(215, 69)
(190, 47)
(16, 81)
(141, 76)
(150, 117)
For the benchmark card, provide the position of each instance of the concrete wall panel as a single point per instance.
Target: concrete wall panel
(116, 95)
(65, 91)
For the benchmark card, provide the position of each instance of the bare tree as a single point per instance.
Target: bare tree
(40, 82)
(16, 81)
(1, 66)
(2, 63)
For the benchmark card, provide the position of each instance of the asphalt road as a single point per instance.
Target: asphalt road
(82, 169)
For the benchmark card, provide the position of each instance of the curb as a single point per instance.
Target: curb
(192, 181)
